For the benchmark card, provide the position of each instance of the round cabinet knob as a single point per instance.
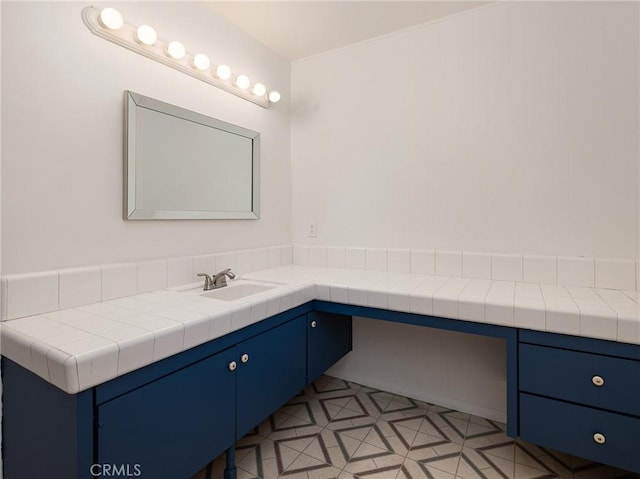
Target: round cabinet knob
(314, 324)
(244, 358)
(232, 366)
(597, 381)
(599, 438)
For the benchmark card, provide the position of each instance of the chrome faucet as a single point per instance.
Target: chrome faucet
(220, 279)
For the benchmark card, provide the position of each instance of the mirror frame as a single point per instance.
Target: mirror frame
(133, 101)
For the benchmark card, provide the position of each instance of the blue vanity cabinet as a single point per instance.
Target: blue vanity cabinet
(174, 425)
(329, 339)
(581, 396)
(271, 369)
(170, 418)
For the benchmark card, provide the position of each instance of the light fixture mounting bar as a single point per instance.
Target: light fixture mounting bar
(126, 37)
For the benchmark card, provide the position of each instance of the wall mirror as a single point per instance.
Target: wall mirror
(180, 164)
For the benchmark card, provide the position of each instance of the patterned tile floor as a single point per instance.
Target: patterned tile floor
(338, 429)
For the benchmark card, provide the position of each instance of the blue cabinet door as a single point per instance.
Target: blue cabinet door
(271, 370)
(171, 427)
(328, 340)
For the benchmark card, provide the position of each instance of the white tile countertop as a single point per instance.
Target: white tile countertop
(81, 347)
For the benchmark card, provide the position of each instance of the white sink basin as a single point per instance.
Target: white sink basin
(237, 290)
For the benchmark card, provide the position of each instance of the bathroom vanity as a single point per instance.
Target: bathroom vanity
(174, 416)
(169, 418)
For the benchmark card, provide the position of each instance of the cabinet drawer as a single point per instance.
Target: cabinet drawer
(585, 378)
(574, 429)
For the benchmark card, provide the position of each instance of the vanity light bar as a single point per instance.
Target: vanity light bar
(109, 24)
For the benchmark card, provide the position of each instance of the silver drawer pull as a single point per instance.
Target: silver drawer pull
(244, 358)
(232, 366)
(597, 381)
(313, 324)
(599, 438)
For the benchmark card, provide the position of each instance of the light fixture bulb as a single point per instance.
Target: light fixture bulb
(176, 50)
(223, 72)
(243, 82)
(111, 18)
(274, 96)
(259, 89)
(201, 61)
(146, 35)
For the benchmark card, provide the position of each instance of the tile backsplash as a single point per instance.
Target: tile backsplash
(31, 293)
(34, 293)
(540, 269)
(399, 260)
(476, 265)
(448, 263)
(506, 267)
(79, 286)
(576, 271)
(355, 257)
(608, 273)
(614, 273)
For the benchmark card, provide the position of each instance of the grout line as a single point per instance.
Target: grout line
(58, 305)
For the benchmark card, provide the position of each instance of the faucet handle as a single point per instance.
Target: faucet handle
(208, 281)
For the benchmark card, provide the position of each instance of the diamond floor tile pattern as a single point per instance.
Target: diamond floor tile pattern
(335, 429)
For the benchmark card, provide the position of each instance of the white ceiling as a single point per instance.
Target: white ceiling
(298, 29)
